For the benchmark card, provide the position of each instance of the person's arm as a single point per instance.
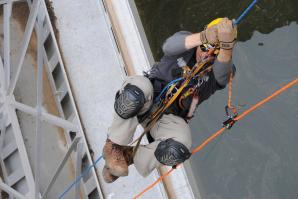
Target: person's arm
(209, 35)
(184, 40)
(225, 55)
(227, 38)
(175, 44)
(222, 71)
(192, 41)
(223, 65)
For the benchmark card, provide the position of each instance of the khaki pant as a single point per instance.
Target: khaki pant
(169, 126)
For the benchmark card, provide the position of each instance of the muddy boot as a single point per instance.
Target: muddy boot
(118, 158)
(107, 176)
(128, 155)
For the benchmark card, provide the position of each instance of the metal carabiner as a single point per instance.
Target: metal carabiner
(229, 123)
(232, 113)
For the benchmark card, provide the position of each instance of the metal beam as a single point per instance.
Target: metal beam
(10, 191)
(80, 146)
(3, 132)
(6, 32)
(39, 90)
(25, 43)
(2, 77)
(51, 119)
(2, 109)
(22, 150)
(61, 165)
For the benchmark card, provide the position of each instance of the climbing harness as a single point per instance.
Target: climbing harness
(175, 90)
(172, 92)
(158, 98)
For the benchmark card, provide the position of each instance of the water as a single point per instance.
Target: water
(163, 18)
(258, 157)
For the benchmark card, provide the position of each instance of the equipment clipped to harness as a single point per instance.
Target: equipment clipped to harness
(165, 101)
(231, 111)
(232, 114)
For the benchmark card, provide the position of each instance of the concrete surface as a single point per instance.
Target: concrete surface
(95, 72)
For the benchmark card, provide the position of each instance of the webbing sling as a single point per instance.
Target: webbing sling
(158, 113)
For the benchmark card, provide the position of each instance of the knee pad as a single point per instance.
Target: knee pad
(129, 101)
(170, 152)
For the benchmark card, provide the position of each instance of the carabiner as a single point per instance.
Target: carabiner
(232, 113)
(229, 123)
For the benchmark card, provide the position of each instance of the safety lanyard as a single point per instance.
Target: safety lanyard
(231, 110)
(164, 105)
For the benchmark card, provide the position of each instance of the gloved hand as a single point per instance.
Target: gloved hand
(209, 35)
(227, 34)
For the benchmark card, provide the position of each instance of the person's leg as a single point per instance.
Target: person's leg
(170, 133)
(117, 154)
(122, 130)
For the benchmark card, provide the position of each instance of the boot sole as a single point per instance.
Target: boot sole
(115, 169)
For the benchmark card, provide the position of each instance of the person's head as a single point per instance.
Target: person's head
(204, 52)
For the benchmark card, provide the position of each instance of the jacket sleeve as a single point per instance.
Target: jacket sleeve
(175, 44)
(222, 72)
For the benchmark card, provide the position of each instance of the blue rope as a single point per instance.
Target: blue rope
(244, 13)
(166, 87)
(236, 22)
(79, 178)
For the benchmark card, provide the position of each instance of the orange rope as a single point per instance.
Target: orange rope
(267, 99)
(229, 106)
(153, 184)
(209, 139)
(230, 91)
(212, 137)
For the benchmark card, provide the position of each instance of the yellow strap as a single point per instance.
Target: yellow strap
(160, 111)
(189, 91)
(174, 97)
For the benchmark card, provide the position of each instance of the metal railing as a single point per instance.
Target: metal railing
(48, 55)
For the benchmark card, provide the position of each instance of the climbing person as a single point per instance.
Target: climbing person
(169, 135)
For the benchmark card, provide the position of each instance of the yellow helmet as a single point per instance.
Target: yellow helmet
(214, 22)
(206, 47)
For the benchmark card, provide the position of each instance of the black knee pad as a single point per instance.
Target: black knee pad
(170, 152)
(129, 101)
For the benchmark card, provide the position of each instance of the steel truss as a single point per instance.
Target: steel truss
(39, 22)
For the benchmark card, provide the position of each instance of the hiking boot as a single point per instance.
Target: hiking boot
(107, 176)
(117, 157)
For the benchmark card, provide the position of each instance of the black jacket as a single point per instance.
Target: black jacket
(167, 70)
